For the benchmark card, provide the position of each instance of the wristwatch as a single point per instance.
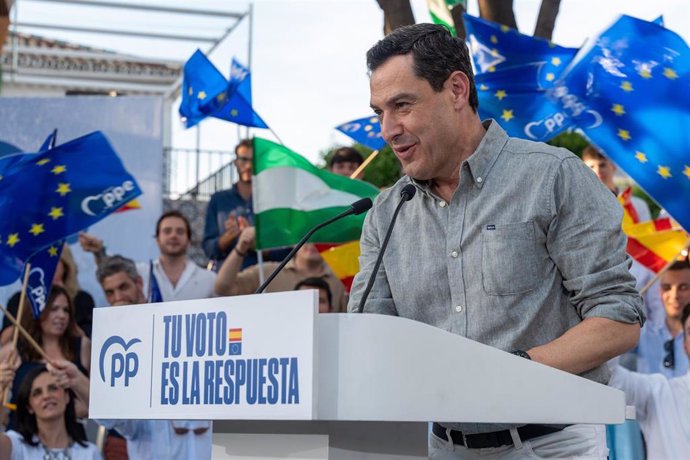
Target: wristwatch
(522, 354)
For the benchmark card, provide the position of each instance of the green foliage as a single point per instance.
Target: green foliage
(571, 141)
(383, 171)
(654, 208)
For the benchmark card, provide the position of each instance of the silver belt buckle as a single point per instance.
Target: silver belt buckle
(464, 439)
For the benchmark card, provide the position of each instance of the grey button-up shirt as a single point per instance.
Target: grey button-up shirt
(529, 245)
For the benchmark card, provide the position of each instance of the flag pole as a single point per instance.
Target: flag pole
(276, 136)
(664, 270)
(22, 300)
(369, 159)
(25, 334)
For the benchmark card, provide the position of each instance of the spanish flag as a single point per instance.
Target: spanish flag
(343, 260)
(653, 243)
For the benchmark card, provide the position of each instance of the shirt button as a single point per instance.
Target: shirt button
(454, 254)
(480, 180)
(442, 204)
(458, 308)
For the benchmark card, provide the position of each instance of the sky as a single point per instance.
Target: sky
(307, 57)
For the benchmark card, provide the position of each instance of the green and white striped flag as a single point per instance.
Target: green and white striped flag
(291, 195)
(440, 12)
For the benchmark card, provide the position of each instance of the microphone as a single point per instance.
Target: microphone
(356, 208)
(406, 194)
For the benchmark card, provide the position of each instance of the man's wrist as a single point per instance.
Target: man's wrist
(239, 253)
(522, 354)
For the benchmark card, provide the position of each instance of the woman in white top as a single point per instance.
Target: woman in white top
(47, 428)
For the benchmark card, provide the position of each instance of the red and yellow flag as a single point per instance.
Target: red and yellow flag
(343, 260)
(653, 243)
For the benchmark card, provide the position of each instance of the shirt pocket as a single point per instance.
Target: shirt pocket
(509, 260)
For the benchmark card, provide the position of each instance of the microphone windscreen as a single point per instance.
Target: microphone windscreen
(363, 205)
(408, 192)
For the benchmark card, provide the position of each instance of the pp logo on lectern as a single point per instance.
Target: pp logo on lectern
(122, 365)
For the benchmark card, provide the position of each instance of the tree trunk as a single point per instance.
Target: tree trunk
(457, 12)
(500, 11)
(547, 18)
(4, 22)
(396, 13)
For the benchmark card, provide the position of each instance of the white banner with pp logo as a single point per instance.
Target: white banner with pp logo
(247, 357)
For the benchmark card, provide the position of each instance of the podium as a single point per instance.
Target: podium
(377, 382)
(382, 378)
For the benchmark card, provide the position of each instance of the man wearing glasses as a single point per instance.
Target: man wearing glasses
(661, 345)
(230, 211)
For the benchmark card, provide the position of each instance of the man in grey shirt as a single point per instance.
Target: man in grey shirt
(507, 242)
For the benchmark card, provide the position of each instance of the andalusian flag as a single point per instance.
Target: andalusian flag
(291, 195)
(440, 12)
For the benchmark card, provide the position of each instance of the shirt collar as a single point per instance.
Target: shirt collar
(482, 159)
(488, 150)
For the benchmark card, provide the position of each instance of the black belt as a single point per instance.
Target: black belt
(495, 438)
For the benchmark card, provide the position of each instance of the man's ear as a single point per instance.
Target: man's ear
(459, 86)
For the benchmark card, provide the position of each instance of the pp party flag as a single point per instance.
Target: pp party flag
(514, 74)
(238, 106)
(46, 196)
(203, 89)
(366, 131)
(628, 90)
(44, 262)
(43, 265)
(291, 195)
(206, 92)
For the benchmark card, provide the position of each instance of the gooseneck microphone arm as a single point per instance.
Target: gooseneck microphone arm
(358, 207)
(406, 194)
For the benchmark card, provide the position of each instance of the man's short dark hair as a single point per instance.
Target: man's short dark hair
(679, 265)
(116, 264)
(179, 215)
(346, 155)
(244, 143)
(592, 153)
(435, 51)
(318, 283)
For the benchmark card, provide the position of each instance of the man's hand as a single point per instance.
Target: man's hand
(8, 368)
(90, 243)
(230, 233)
(247, 240)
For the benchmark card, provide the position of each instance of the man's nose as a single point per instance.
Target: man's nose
(390, 128)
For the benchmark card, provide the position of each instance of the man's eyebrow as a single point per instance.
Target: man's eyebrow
(393, 99)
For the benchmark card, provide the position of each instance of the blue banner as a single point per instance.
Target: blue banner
(514, 73)
(629, 91)
(366, 131)
(46, 196)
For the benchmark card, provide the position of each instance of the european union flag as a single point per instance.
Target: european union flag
(629, 90)
(49, 195)
(43, 265)
(206, 92)
(366, 131)
(514, 73)
(203, 89)
(238, 108)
